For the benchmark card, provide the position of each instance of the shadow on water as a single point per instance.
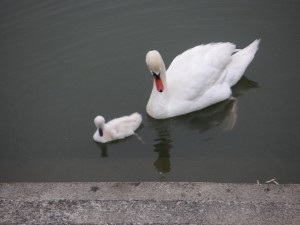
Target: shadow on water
(244, 84)
(215, 115)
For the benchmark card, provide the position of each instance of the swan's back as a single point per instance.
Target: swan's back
(197, 69)
(125, 125)
(216, 55)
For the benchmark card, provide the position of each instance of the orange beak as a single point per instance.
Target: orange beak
(158, 82)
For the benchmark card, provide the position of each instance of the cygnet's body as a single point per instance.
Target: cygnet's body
(116, 129)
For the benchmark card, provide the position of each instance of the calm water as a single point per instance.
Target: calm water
(64, 62)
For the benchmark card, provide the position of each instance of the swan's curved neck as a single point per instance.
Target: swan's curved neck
(157, 105)
(163, 75)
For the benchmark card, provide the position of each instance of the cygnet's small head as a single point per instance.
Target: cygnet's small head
(155, 64)
(99, 123)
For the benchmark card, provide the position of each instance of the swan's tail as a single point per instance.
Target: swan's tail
(240, 61)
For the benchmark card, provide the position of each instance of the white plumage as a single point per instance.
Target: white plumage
(197, 78)
(115, 129)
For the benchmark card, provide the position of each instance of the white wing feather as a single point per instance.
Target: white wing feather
(203, 65)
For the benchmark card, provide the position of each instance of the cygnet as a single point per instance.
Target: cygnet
(116, 129)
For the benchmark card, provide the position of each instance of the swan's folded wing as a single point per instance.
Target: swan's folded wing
(197, 69)
(125, 126)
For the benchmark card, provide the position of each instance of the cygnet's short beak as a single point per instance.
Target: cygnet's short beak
(100, 132)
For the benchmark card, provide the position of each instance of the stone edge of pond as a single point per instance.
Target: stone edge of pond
(149, 202)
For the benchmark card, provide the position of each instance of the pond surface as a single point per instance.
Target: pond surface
(64, 62)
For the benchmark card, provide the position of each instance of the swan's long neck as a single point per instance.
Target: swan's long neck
(157, 106)
(163, 76)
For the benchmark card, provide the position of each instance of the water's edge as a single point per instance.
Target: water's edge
(149, 202)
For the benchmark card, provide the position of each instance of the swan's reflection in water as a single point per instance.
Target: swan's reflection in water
(222, 113)
(162, 144)
(201, 121)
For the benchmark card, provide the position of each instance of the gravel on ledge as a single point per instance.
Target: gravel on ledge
(149, 203)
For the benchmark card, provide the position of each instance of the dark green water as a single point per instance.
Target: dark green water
(64, 62)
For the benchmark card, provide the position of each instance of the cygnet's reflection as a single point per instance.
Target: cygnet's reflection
(222, 113)
(104, 146)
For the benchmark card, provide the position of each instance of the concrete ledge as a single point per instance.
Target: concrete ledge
(149, 202)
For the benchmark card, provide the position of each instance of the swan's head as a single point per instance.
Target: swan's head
(99, 123)
(155, 65)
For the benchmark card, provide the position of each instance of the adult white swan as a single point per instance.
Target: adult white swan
(197, 78)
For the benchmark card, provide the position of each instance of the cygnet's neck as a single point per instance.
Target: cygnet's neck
(101, 129)
(101, 132)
